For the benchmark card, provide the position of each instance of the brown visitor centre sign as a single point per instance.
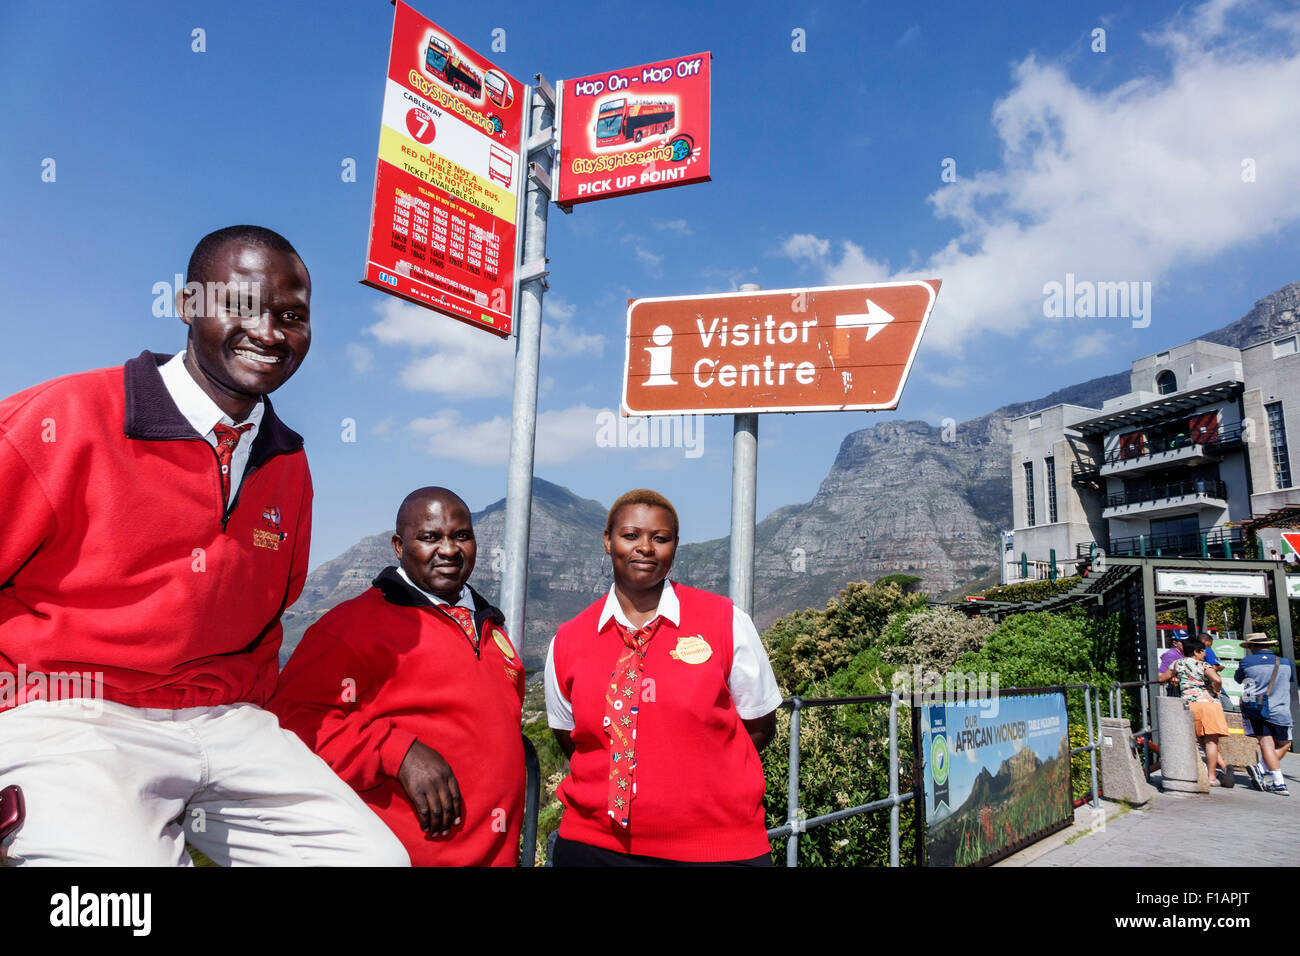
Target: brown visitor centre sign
(837, 348)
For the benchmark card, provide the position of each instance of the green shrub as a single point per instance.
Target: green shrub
(933, 639)
(843, 762)
(907, 583)
(810, 646)
(1031, 590)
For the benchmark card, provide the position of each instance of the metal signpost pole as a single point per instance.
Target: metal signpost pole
(744, 493)
(523, 420)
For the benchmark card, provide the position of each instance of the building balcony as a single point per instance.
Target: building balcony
(1172, 498)
(1214, 543)
(1020, 572)
(1160, 452)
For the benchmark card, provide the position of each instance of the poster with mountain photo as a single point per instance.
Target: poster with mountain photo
(997, 776)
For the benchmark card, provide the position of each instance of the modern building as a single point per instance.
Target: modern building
(1172, 469)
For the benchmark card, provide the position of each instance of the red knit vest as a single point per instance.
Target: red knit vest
(699, 780)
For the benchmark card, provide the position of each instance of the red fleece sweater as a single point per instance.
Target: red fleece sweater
(388, 668)
(699, 780)
(118, 558)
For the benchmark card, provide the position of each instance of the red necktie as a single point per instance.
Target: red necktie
(621, 700)
(227, 439)
(465, 618)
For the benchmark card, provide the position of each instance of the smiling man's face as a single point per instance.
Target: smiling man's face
(238, 354)
(435, 543)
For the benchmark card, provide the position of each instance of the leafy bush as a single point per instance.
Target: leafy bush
(843, 762)
(1031, 590)
(810, 646)
(1032, 650)
(907, 583)
(554, 766)
(935, 638)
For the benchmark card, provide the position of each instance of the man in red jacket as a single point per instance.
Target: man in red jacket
(412, 693)
(156, 525)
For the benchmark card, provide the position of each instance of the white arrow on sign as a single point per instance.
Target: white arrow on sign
(873, 320)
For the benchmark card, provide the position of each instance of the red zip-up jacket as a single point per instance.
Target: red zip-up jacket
(122, 573)
(388, 668)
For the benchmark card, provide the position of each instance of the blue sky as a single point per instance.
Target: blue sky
(1122, 165)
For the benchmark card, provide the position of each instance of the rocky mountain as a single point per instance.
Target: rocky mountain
(1273, 315)
(900, 497)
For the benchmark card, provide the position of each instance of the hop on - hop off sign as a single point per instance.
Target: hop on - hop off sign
(839, 348)
(633, 130)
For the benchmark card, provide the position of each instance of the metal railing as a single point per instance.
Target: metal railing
(1174, 489)
(1201, 544)
(1224, 439)
(794, 825)
(1022, 571)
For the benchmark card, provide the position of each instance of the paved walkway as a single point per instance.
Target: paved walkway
(1237, 827)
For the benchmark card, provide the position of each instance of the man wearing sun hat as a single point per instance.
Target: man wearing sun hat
(1266, 680)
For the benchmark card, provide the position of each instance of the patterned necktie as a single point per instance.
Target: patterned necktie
(465, 618)
(227, 439)
(621, 701)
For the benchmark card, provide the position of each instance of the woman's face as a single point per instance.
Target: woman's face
(641, 544)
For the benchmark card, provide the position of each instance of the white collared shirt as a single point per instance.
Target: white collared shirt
(751, 681)
(202, 413)
(464, 600)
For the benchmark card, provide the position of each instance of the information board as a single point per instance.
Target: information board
(443, 220)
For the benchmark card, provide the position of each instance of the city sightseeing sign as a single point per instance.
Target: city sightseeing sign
(837, 348)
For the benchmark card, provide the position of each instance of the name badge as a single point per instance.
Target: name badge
(691, 650)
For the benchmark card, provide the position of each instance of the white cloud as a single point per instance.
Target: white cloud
(362, 359)
(802, 245)
(647, 257)
(457, 358)
(562, 435)
(561, 335)
(1125, 184)
(679, 226)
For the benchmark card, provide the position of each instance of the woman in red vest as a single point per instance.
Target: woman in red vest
(661, 696)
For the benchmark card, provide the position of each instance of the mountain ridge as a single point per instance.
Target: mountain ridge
(900, 496)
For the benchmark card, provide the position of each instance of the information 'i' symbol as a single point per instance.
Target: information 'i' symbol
(661, 357)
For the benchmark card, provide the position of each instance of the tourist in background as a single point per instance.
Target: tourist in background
(1199, 685)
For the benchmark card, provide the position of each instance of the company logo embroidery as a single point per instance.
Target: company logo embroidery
(511, 674)
(269, 538)
(504, 643)
(265, 539)
(692, 650)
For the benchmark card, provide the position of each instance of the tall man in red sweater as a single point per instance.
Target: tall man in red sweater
(156, 525)
(412, 693)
